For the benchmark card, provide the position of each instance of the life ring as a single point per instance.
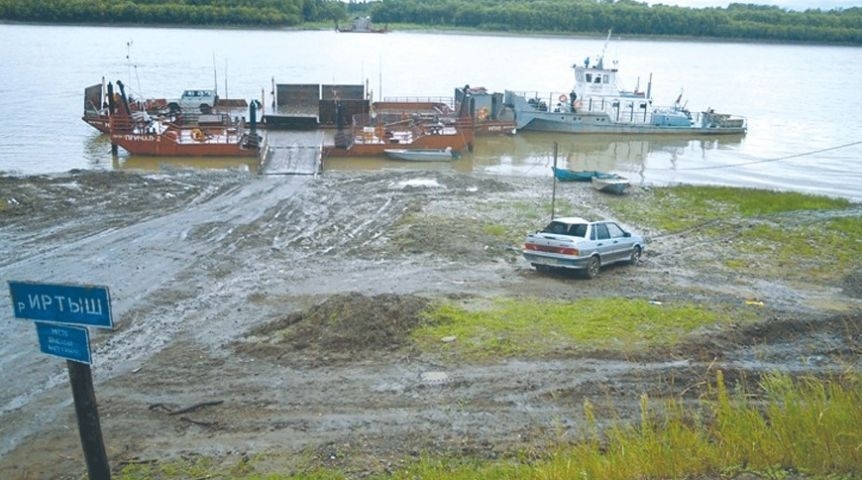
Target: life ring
(483, 114)
(198, 135)
(563, 98)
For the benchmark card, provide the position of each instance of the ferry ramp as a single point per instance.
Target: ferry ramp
(292, 160)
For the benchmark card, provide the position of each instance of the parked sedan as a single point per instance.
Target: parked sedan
(575, 243)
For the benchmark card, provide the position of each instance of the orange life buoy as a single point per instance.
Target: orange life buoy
(563, 98)
(198, 135)
(483, 114)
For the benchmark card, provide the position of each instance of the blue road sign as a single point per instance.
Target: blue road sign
(69, 342)
(74, 304)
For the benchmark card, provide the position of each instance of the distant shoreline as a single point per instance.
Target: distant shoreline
(423, 29)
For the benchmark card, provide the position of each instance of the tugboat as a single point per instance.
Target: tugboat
(597, 104)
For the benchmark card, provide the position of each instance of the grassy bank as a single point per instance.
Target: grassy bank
(808, 428)
(784, 235)
(529, 328)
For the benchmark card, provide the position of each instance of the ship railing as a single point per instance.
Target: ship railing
(448, 101)
(634, 110)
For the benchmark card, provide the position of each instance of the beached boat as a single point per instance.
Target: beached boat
(421, 154)
(615, 184)
(372, 137)
(597, 104)
(566, 175)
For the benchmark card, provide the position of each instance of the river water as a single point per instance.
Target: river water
(802, 102)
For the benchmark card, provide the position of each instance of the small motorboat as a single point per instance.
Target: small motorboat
(615, 184)
(421, 154)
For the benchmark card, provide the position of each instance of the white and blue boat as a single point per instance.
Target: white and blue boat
(597, 104)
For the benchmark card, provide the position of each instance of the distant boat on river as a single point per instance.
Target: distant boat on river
(361, 25)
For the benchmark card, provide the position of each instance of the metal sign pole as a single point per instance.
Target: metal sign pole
(62, 314)
(89, 428)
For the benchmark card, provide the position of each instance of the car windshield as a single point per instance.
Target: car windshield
(572, 229)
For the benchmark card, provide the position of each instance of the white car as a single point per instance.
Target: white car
(576, 243)
(198, 101)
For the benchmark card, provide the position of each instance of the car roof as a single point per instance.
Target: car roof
(571, 220)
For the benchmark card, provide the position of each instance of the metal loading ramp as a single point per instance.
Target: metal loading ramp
(292, 160)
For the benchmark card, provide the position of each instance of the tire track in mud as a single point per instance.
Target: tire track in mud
(136, 261)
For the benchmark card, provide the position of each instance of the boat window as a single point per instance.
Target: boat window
(598, 79)
(589, 78)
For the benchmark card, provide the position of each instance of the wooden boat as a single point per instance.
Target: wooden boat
(375, 139)
(615, 184)
(421, 154)
(566, 175)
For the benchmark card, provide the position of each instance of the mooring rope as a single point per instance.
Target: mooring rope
(753, 162)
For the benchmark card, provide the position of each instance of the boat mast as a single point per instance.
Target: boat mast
(604, 49)
(215, 76)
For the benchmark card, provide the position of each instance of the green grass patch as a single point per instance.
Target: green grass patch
(781, 234)
(536, 328)
(682, 207)
(812, 426)
(825, 250)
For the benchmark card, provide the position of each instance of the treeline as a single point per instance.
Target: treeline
(174, 12)
(625, 17)
(738, 21)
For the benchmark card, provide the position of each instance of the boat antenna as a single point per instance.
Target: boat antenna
(215, 77)
(379, 77)
(131, 65)
(604, 49)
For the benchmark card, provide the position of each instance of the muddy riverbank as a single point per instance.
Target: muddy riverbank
(207, 268)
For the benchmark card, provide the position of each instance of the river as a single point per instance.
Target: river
(801, 102)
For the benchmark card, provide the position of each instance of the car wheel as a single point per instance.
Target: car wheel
(636, 256)
(593, 267)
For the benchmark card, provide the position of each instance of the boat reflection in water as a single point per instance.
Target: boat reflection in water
(532, 153)
(148, 163)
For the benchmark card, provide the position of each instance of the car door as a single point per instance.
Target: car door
(621, 244)
(603, 243)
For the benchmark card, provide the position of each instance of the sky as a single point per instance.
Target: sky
(798, 5)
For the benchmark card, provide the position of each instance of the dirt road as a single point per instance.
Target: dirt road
(204, 267)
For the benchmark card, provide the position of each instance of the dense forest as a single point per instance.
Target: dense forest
(736, 22)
